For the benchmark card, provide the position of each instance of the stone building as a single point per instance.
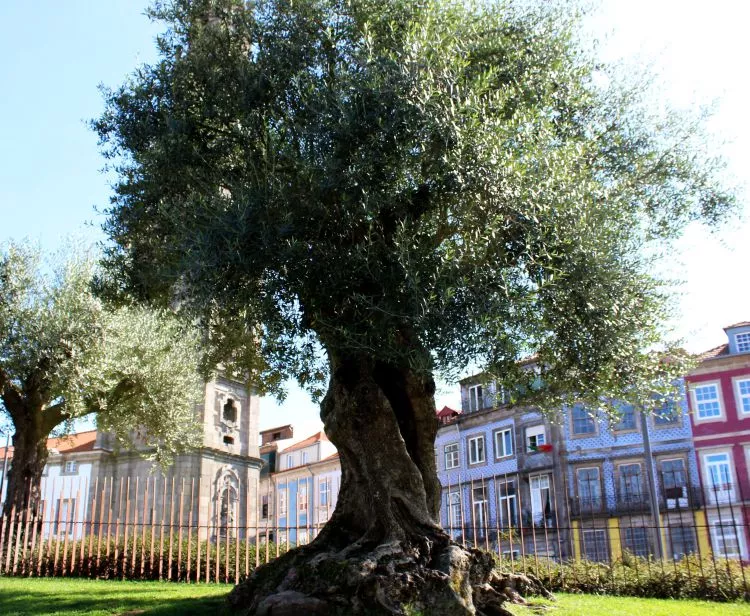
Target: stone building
(215, 488)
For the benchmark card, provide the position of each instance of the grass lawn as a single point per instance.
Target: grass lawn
(72, 597)
(45, 597)
(593, 605)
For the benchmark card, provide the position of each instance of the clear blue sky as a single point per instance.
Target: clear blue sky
(54, 55)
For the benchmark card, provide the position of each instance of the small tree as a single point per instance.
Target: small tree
(64, 355)
(380, 189)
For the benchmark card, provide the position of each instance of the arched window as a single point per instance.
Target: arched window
(230, 411)
(228, 507)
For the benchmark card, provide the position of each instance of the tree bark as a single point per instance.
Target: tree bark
(28, 461)
(383, 551)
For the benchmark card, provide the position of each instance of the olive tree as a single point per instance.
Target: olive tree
(362, 194)
(64, 355)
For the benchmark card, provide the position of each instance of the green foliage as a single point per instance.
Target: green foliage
(64, 355)
(386, 177)
(692, 577)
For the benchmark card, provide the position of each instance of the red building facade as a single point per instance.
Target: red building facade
(718, 392)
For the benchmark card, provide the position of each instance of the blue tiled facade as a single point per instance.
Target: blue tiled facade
(565, 484)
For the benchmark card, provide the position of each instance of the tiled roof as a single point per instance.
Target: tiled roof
(447, 411)
(276, 429)
(722, 349)
(71, 443)
(310, 440)
(740, 324)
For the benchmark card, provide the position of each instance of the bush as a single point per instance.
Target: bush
(691, 577)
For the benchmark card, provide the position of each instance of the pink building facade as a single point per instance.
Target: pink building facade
(718, 392)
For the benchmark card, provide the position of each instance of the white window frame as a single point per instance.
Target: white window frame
(455, 511)
(508, 513)
(452, 456)
(480, 509)
(535, 432)
(538, 486)
(595, 532)
(476, 398)
(282, 502)
(304, 456)
(303, 501)
(500, 444)
(696, 408)
(70, 467)
(324, 492)
(718, 536)
(475, 449)
(680, 501)
(742, 397)
(725, 492)
(745, 342)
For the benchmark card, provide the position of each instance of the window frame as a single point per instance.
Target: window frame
(453, 504)
(66, 471)
(636, 419)
(713, 496)
(622, 495)
(601, 495)
(716, 384)
(500, 432)
(600, 532)
(738, 342)
(677, 407)
(478, 398)
(536, 431)
(716, 537)
(593, 419)
(476, 438)
(740, 397)
(446, 453)
(505, 508)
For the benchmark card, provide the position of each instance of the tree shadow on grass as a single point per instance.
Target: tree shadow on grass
(37, 601)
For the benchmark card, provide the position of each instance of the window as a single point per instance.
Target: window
(504, 443)
(535, 436)
(667, 415)
(682, 541)
(325, 492)
(264, 507)
(282, 501)
(743, 395)
(228, 510)
(636, 541)
(479, 503)
(707, 404)
(303, 455)
(743, 342)
(718, 478)
(541, 504)
(627, 418)
(71, 467)
(724, 539)
(589, 489)
(451, 456)
(64, 519)
(507, 504)
(674, 482)
(290, 461)
(302, 497)
(583, 422)
(455, 516)
(230, 411)
(229, 440)
(476, 450)
(476, 400)
(595, 544)
(276, 436)
(631, 484)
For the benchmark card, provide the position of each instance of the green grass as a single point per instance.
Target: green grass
(48, 597)
(593, 605)
(72, 597)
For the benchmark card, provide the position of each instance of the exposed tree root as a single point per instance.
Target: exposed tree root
(435, 579)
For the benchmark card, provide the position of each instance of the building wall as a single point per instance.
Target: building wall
(727, 510)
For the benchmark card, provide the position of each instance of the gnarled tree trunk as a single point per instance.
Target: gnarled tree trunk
(383, 551)
(27, 464)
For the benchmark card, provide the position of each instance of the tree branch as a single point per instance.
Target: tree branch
(53, 416)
